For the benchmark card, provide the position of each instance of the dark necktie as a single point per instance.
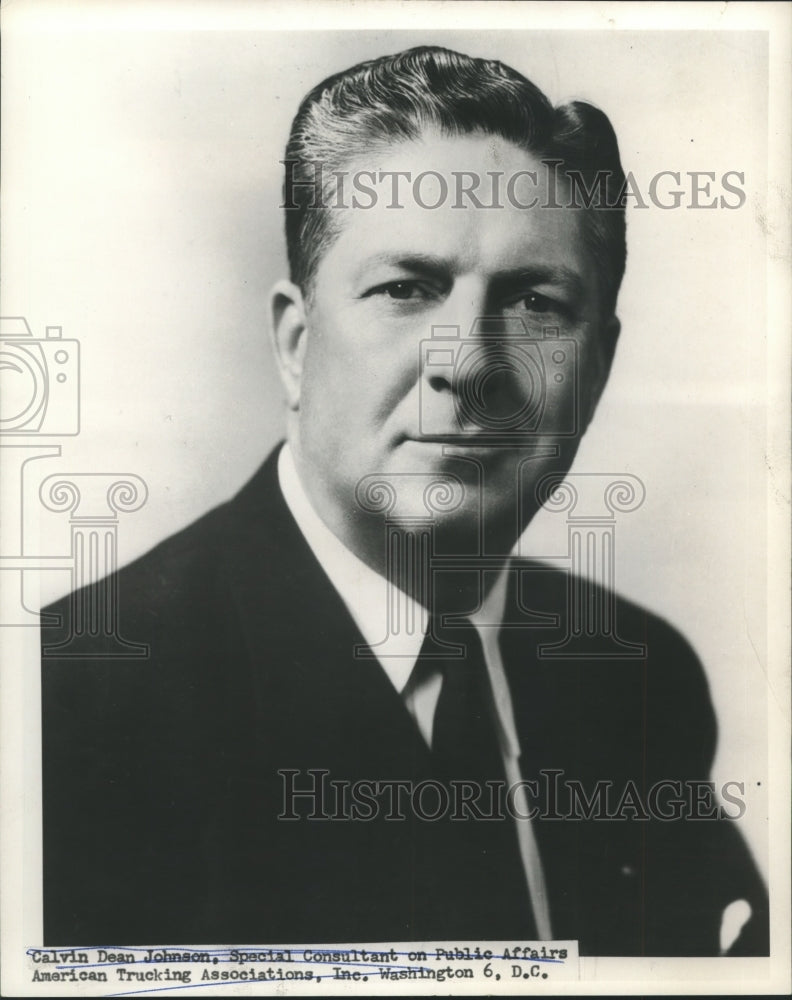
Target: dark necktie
(464, 737)
(470, 860)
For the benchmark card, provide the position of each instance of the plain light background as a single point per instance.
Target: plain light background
(145, 222)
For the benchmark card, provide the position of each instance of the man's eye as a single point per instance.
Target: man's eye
(400, 290)
(534, 302)
(408, 290)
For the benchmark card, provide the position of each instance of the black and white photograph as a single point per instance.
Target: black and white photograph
(394, 465)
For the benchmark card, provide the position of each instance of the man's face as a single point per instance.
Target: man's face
(498, 406)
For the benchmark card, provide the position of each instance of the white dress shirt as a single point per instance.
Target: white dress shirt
(364, 593)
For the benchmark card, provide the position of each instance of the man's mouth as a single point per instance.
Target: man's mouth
(452, 437)
(456, 437)
(458, 443)
(472, 439)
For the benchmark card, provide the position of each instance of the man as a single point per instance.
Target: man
(359, 719)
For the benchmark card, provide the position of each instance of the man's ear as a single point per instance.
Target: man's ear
(288, 332)
(609, 336)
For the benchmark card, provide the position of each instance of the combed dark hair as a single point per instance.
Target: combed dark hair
(397, 98)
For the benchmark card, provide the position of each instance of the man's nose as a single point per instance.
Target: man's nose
(475, 368)
(463, 322)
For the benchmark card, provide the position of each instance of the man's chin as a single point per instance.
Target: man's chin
(473, 495)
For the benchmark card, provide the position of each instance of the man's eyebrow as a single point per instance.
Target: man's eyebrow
(503, 282)
(540, 274)
(422, 263)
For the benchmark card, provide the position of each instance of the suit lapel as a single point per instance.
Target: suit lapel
(316, 695)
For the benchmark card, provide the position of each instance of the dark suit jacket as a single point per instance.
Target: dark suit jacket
(162, 793)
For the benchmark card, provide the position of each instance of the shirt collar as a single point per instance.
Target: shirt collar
(364, 591)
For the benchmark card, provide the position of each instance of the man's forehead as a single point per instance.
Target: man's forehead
(419, 170)
(405, 204)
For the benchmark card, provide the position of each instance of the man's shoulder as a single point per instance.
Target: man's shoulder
(186, 566)
(628, 683)
(183, 610)
(600, 621)
(164, 636)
